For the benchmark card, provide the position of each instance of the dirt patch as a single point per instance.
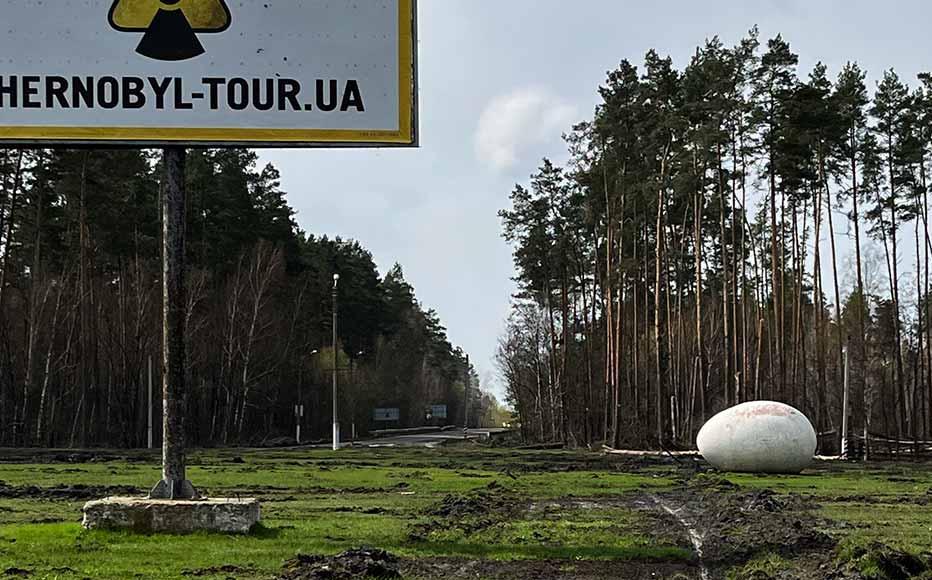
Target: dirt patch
(362, 563)
(470, 512)
(398, 487)
(17, 573)
(281, 493)
(569, 504)
(916, 499)
(434, 568)
(729, 526)
(474, 504)
(214, 571)
(66, 492)
(881, 562)
(45, 456)
(369, 511)
(765, 500)
(522, 462)
(379, 564)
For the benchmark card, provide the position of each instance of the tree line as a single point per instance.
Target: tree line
(726, 232)
(80, 309)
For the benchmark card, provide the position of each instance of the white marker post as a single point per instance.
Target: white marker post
(844, 410)
(298, 416)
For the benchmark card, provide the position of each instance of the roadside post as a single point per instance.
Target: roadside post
(844, 410)
(298, 418)
(202, 73)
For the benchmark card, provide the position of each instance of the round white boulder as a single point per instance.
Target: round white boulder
(758, 437)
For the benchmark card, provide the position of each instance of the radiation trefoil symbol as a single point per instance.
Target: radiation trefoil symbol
(170, 26)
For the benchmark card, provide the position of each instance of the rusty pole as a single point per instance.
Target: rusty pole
(174, 483)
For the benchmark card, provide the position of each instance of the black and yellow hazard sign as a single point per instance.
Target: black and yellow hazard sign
(209, 73)
(171, 26)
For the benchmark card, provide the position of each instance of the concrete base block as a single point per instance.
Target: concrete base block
(236, 516)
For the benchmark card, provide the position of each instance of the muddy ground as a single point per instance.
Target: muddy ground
(366, 563)
(726, 527)
(729, 526)
(62, 456)
(66, 492)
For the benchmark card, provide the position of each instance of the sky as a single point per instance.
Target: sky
(500, 81)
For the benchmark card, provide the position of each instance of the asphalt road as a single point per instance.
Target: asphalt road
(428, 439)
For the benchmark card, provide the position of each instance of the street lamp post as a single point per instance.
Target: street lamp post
(336, 421)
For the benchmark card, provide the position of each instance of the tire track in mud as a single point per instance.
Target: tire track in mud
(696, 537)
(728, 525)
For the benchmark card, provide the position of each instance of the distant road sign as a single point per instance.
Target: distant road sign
(438, 411)
(211, 72)
(386, 415)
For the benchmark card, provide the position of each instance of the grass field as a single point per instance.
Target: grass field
(582, 514)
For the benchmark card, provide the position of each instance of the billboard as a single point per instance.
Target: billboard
(386, 415)
(209, 72)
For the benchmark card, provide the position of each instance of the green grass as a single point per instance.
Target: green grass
(762, 567)
(613, 533)
(98, 554)
(24, 511)
(316, 502)
(572, 506)
(903, 526)
(845, 480)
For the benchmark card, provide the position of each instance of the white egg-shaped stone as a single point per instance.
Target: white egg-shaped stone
(758, 437)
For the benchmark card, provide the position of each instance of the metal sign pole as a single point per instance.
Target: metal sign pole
(336, 416)
(174, 484)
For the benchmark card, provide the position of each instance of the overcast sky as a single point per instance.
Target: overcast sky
(500, 80)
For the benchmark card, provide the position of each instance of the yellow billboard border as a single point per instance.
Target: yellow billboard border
(406, 135)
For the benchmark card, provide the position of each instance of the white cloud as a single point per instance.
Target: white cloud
(516, 123)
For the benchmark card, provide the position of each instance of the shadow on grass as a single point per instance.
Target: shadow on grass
(258, 532)
(263, 532)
